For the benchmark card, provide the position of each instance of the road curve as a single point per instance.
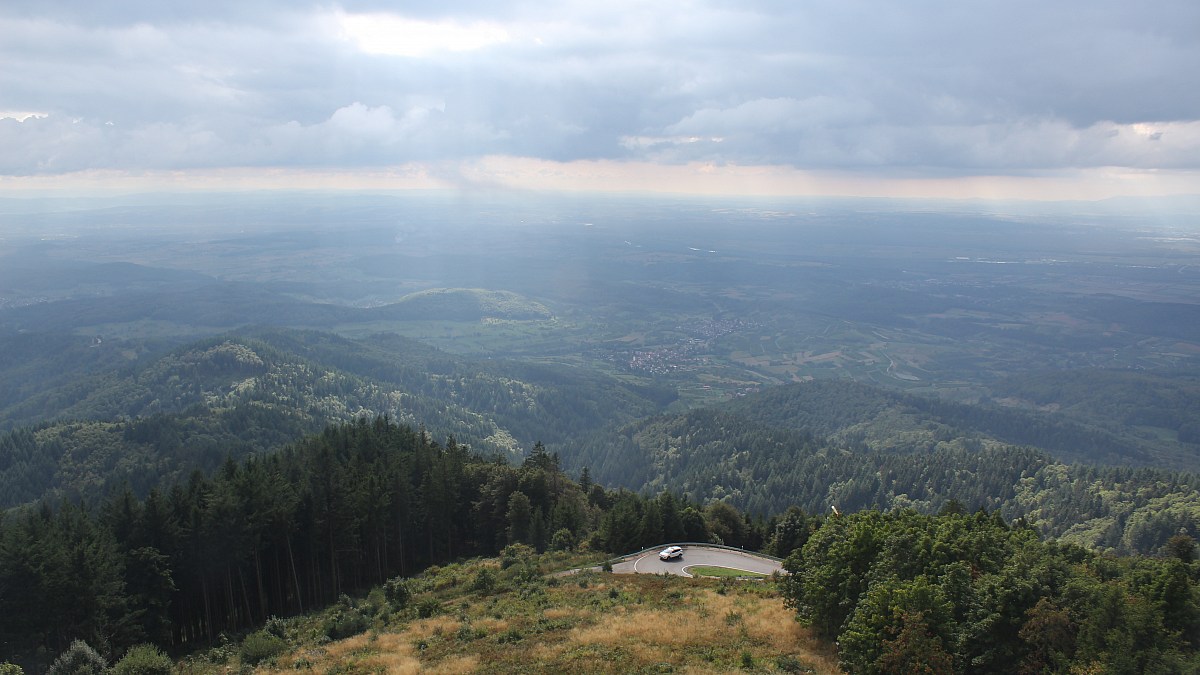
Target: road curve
(648, 562)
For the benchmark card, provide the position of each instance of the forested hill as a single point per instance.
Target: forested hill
(903, 592)
(157, 418)
(1093, 421)
(268, 536)
(371, 504)
(288, 532)
(133, 294)
(757, 455)
(1154, 404)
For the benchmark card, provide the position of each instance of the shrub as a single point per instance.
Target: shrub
(144, 660)
(528, 573)
(345, 622)
(791, 664)
(7, 668)
(376, 603)
(78, 659)
(515, 553)
(345, 618)
(562, 540)
(260, 646)
(510, 636)
(428, 607)
(397, 592)
(277, 627)
(485, 581)
(466, 633)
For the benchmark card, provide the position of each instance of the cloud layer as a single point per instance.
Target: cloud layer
(915, 88)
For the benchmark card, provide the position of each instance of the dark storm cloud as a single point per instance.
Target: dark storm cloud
(941, 87)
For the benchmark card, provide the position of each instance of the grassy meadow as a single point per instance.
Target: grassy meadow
(501, 616)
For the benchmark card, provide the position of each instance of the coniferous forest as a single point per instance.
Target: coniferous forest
(270, 421)
(270, 535)
(279, 534)
(363, 337)
(368, 501)
(143, 535)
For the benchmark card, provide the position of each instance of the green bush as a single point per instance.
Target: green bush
(528, 573)
(10, 669)
(515, 553)
(260, 646)
(466, 633)
(562, 540)
(276, 626)
(397, 592)
(78, 659)
(428, 607)
(345, 622)
(485, 581)
(791, 664)
(375, 604)
(510, 636)
(144, 660)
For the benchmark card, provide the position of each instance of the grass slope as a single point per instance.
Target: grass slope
(586, 623)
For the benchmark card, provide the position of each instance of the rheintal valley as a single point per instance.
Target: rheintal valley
(377, 433)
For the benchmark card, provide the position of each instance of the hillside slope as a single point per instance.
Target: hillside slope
(882, 419)
(884, 450)
(157, 418)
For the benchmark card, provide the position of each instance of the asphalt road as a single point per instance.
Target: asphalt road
(648, 562)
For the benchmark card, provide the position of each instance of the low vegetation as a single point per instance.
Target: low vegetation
(590, 622)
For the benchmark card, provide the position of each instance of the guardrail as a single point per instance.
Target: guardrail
(692, 543)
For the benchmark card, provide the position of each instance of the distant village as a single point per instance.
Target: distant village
(691, 352)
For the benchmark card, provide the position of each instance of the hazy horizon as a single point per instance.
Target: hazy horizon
(1076, 100)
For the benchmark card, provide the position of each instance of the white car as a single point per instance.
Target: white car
(671, 553)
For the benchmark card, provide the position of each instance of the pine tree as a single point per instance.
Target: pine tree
(520, 517)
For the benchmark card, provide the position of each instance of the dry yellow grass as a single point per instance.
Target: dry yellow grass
(458, 665)
(389, 653)
(427, 628)
(561, 613)
(546, 653)
(648, 627)
(492, 625)
(653, 635)
(618, 625)
(777, 626)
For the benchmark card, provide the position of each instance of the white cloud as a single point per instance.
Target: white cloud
(20, 115)
(964, 88)
(390, 34)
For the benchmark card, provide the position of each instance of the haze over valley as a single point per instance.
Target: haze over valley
(507, 321)
(377, 337)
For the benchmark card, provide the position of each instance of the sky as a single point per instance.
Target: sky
(1012, 99)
